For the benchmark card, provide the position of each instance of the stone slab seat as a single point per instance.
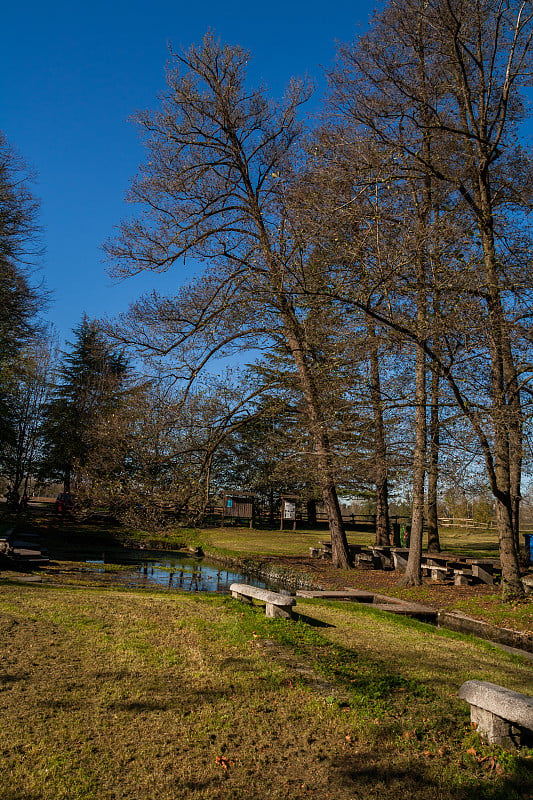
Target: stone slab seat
(439, 573)
(348, 594)
(276, 605)
(502, 716)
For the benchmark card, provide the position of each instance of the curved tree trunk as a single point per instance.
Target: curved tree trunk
(296, 342)
(505, 477)
(318, 429)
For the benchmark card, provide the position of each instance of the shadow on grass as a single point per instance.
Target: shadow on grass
(415, 779)
(4, 679)
(164, 696)
(488, 546)
(314, 623)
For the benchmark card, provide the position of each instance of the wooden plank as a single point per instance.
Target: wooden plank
(439, 573)
(400, 560)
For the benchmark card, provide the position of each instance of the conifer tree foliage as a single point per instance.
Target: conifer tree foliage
(90, 389)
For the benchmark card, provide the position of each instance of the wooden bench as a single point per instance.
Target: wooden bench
(502, 716)
(382, 556)
(276, 605)
(326, 550)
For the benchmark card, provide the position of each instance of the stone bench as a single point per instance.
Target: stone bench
(439, 573)
(276, 605)
(502, 716)
(400, 557)
(462, 577)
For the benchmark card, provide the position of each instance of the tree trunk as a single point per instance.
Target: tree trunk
(271, 506)
(433, 469)
(507, 431)
(383, 528)
(512, 587)
(318, 429)
(516, 433)
(413, 572)
(311, 511)
(296, 342)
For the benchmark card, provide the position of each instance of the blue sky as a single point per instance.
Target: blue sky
(72, 75)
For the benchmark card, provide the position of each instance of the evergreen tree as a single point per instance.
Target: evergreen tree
(90, 388)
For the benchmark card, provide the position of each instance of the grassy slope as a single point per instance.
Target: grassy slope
(139, 695)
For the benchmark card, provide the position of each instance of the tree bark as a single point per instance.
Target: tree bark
(413, 571)
(383, 528)
(311, 511)
(297, 345)
(433, 468)
(507, 449)
(318, 430)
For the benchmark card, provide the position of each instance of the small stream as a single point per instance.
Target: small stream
(138, 568)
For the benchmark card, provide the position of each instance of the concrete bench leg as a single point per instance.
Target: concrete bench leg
(283, 612)
(483, 574)
(243, 597)
(493, 728)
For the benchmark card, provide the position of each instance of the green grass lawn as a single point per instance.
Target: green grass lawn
(476, 543)
(110, 694)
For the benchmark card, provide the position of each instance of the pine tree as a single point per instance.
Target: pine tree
(90, 388)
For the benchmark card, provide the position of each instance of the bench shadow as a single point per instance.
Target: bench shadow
(414, 779)
(314, 623)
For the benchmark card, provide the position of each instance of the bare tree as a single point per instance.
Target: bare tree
(30, 392)
(214, 187)
(451, 74)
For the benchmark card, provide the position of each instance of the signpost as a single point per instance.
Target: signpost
(288, 510)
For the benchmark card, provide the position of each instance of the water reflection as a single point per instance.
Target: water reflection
(185, 573)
